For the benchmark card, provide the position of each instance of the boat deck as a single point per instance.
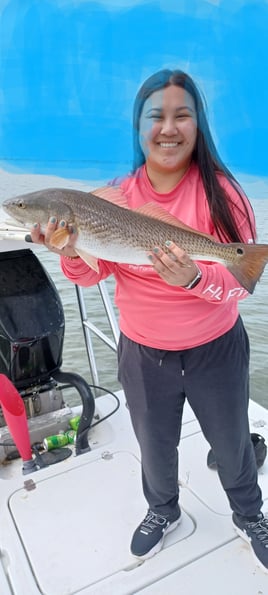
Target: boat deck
(70, 532)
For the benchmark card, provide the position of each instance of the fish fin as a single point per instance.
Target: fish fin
(150, 209)
(112, 194)
(60, 237)
(250, 265)
(92, 261)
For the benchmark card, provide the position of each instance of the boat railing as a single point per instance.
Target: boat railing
(89, 328)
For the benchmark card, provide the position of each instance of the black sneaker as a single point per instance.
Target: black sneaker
(255, 532)
(149, 535)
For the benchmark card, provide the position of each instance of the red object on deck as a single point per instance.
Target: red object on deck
(15, 416)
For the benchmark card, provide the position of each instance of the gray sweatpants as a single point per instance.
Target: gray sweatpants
(214, 378)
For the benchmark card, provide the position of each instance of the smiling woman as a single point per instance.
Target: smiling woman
(181, 333)
(167, 135)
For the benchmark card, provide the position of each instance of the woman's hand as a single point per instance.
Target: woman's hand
(176, 267)
(39, 238)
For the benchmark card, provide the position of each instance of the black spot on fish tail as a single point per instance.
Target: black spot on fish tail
(250, 264)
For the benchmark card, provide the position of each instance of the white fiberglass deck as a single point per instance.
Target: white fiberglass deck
(70, 534)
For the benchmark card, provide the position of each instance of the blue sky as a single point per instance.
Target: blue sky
(69, 72)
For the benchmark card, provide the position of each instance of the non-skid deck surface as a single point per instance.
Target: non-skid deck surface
(70, 534)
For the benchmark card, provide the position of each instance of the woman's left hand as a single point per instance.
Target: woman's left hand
(174, 267)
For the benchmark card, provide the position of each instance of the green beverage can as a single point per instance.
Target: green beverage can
(56, 441)
(74, 422)
(71, 435)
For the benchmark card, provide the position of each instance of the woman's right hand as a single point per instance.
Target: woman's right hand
(39, 238)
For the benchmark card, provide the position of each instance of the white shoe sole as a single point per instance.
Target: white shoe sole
(246, 538)
(160, 543)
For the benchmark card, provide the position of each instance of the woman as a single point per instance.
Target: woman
(181, 333)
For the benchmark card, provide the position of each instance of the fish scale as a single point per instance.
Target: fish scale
(142, 234)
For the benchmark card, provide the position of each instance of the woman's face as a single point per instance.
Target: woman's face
(168, 129)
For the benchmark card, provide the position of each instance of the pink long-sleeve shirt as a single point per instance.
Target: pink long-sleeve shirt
(159, 315)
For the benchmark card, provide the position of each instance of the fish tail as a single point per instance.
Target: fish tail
(249, 265)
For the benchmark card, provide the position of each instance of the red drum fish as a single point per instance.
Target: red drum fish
(109, 230)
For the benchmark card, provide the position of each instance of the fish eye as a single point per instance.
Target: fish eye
(21, 204)
(240, 251)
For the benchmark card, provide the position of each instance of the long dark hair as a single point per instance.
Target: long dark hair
(205, 153)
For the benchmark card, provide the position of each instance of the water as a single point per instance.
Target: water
(254, 309)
